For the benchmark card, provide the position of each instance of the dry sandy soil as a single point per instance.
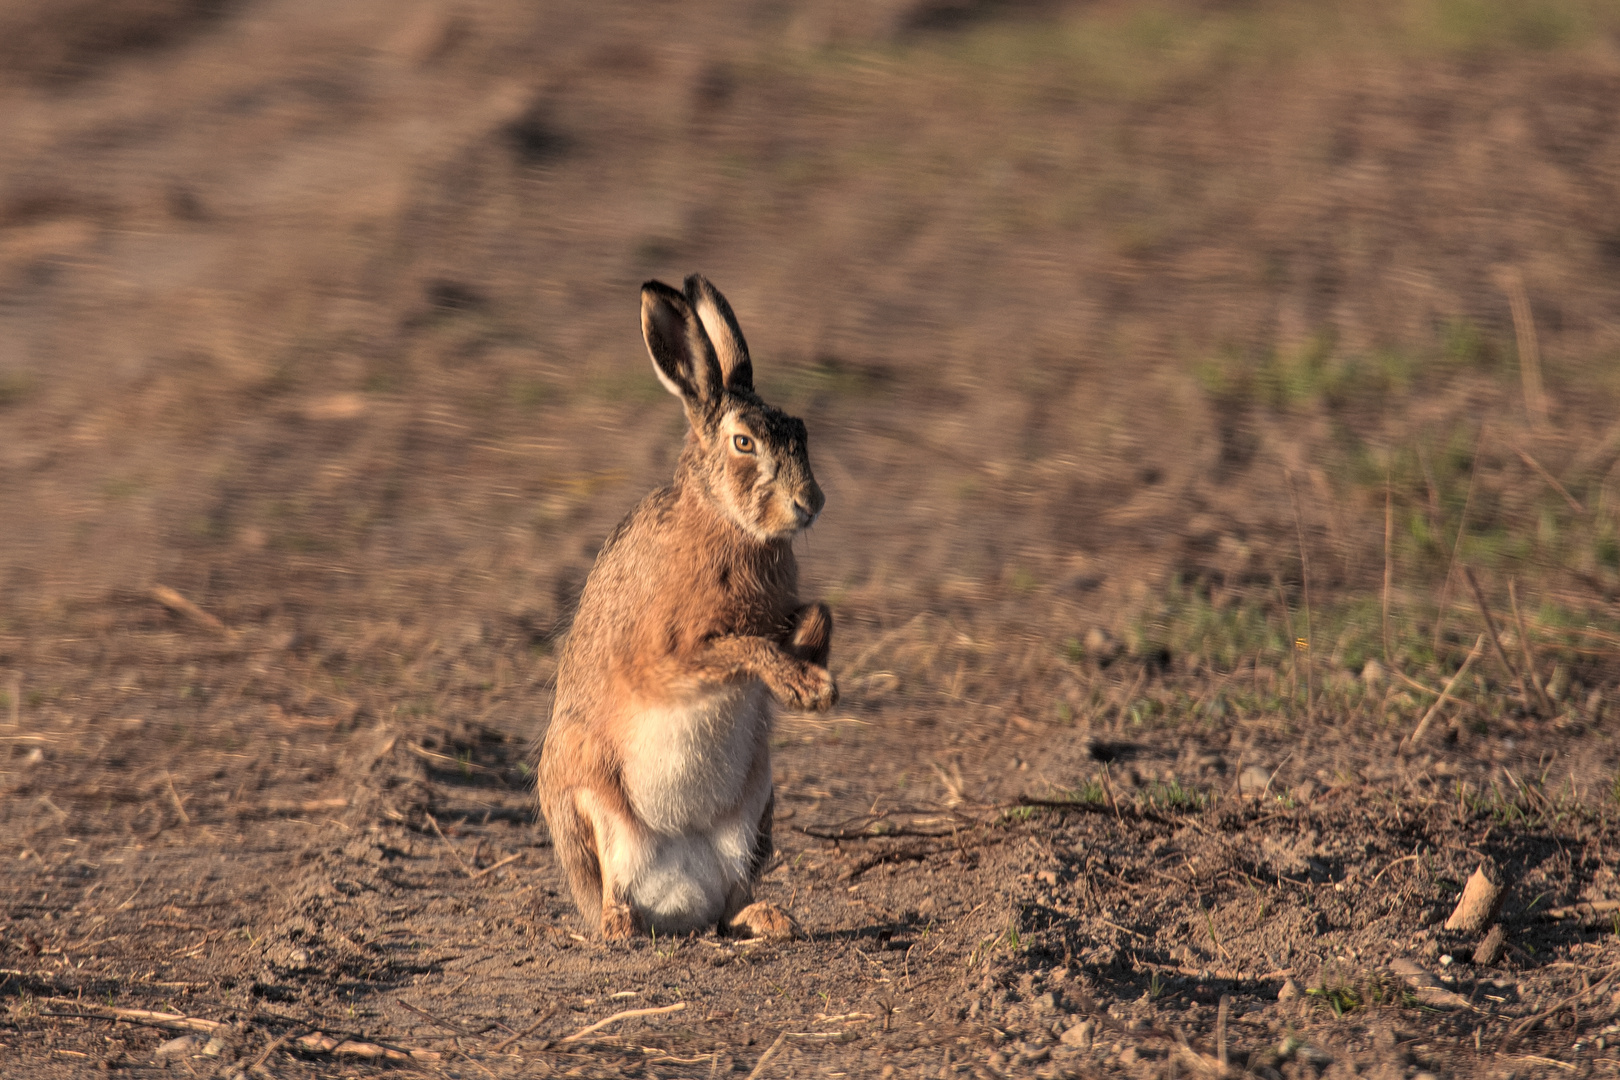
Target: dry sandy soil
(1173, 370)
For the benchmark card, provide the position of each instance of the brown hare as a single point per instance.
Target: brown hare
(655, 774)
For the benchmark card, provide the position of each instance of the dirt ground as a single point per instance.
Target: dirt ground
(1199, 390)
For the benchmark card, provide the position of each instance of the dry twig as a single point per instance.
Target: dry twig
(1445, 695)
(1496, 640)
(492, 867)
(181, 606)
(627, 1014)
(1551, 480)
(1511, 281)
(456, 854)
(144, 1017)
(1524, 646)
(530, 1030)
(320, 1043)
(759, 1066)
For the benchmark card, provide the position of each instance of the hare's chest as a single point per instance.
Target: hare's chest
(687, 766)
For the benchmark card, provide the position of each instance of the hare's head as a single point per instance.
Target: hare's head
(751, 459)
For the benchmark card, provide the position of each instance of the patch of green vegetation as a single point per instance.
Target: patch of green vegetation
(1189, 621)
(1342, 996)
(1171, 795)
(635, 386)
(1135, 51)
(1472, 26)
(1340, 999)
(14, 387)
(826, 376)
(1091, 792)
(529, 394)
(1319, 375)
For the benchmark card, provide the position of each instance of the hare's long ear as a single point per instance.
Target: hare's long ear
(681, 352)
(721, 326)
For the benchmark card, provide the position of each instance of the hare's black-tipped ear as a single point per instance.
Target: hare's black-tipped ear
(680, 350)
(721, 326)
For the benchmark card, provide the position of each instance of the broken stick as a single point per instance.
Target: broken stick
(1481, 900)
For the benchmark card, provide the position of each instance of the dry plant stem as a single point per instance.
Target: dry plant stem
(321, 1043)
(1530, 1021)
(456, 854)
(1511, 281)
(1220, 1030)
(1456, 546)
(530, 1030)
(144, 1017)
(1445, 695)
(181, 606)
(492, 867)
(447, 1025)
(1389, 566)
(179, 804)
(276, 1044)
(1551, 480)
(1288, 627)
(1496, 640)
(1524, 646)
(627, 1014)
(1305, 578)
(759, 1066)
(1584, 910)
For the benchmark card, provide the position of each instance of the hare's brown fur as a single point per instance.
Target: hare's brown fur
(655, 775)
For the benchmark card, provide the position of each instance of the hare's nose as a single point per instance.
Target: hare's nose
(807, 505)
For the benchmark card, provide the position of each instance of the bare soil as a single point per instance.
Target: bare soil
(1152, 386)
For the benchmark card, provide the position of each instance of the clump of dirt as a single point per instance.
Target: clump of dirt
(1047, 937)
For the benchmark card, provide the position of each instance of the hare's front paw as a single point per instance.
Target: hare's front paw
(810, 688)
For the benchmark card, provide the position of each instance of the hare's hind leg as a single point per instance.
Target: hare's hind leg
(620, 849)
(574, 841)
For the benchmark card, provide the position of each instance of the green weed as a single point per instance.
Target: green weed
(1170, 795)
(1339, 999)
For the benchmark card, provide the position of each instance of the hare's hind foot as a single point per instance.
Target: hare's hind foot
(764, 920)
(618, 922)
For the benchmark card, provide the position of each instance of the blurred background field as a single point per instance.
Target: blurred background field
(1188, 380)
(1116, 315)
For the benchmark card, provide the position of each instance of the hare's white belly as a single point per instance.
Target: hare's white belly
(685, 767)
(688, 777)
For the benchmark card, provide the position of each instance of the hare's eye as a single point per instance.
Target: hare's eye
(743, 443)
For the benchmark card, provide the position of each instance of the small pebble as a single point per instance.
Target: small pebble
(185, 1045)
(1253, 780)
(1289, 991)
(1080, 1035)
